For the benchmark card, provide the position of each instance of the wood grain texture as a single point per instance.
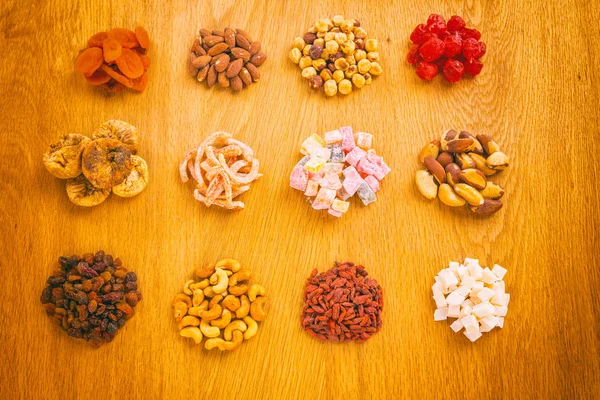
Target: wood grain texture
(538, 97)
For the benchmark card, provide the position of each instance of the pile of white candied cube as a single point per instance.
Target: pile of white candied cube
(474, 295)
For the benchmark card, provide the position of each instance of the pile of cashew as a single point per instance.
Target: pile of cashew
(220, 304)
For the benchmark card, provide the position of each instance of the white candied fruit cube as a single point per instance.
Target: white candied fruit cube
(499, 299)
(473, 336)
(462, 271)
(465, 311)
(499, 286)
(454, 311)
(485, 294)
(470, 323)
(440, 301)
(449, 278)
(488, 276)
(441, 314)
(471, 261)
(455, 298)
(478, 286)
(499, 271)
(463, 291)
(489, 322)
(500, 322)
(468, 281)
(476, 271)
(483, 310)
(501, 311)
(453, 264)
(456, 326)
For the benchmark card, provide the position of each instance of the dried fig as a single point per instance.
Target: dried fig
(137, 180)
(63, 160)
(106, 162)
(82, 193)
(120, 130)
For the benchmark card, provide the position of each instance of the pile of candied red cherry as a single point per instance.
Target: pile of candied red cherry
(447, 47)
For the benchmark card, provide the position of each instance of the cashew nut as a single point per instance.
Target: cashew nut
(242, 275)
(197, 310)
(188, 320)
(252, 327)
(209, 292)
(231, 302)
(192, 332)
(215, 300)
(244, 307)
(238, 290)
(228, 272)
(198, 297)
(200, 285)
(222, 344)
(223, 321)
(180, 309)
(209, 331)
(237, 325)
(230, 264)
(255, 290)
(186, 287)
(212, 313)
(219, 280)
(257, 309)
(204, 272)
(182, 297)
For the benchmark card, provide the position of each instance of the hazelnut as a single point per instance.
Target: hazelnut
(295, 55)
(319, 64)
(364, 66)
(348, 47)
(299, 43)
(351, 71)
(326, 74)
(337, 20)
(309, 37)
(305, 61)
(372, 45)
(360, 55)
(345, 86)
(373, 56)
(309, 72)
(338, 75)
(359, 32)
(316, 82)
(342, 64)
(340, 37)
(358, 80)
(315, 51)
(376, 68)
(330, 87)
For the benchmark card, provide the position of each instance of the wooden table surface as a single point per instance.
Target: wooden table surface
(538, 97)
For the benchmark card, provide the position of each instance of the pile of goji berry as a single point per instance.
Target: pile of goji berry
(342, 304)
(446, 47)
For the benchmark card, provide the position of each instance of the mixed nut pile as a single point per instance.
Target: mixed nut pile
(95, 167)
(457, 170)
(116, 59)
(220, 304)
(229, 57)
(342, 304)
(336, 55)
(91, 296)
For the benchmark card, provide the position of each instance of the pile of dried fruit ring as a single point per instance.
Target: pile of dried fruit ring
(93, 168)
(342, 304)
(457, 171)
(223, 168)
(116, 59)
(91, 296)
(221, 305)
(336, 55)
(337, 167)
(229, 57)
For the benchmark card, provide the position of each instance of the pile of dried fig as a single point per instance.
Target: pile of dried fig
(95, 167)
(457, 170)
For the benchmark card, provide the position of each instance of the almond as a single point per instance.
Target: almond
(435, 168)
(244, 34)
(193, 70)
(469, 193)
(492, 191)
(446, 137)
(236, 83)
(458, 145)
(452, 174)
(254, 48)
(254, 72)
(489, 146)
(211, 78)
(211, 40)
(445, 158)
(201, 62)
(498, 161)
(221, 62)
(204, 33)
(202, 74)
(245, 76)
(238, 52)
(222, 79)
(242, 42)
(473, 177)
(481, 164)
(449, 197)
(258, 59)
(426, 184)
(430, 150)
(229, 37)
(234, 68)
(464, 161)
(218, 49)
(217, 32)
(488, 207)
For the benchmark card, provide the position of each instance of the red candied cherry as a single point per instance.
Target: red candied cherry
(440, 63)
(454, 70)
(452, 45)
(436, 24)
(413, 54)
(473, 67)
(432, 49)
(471, 49)
(470, 33)
(417, 35)
(455, 23)
(426, 71)
(482, 49)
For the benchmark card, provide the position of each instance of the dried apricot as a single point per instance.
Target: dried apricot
(124, 36)
(97, 39)
(146, 61)
(98, 78)
(130, 64)
(112, 49)
(142, 37)
(89, 61)
(116, 76)
(139, 84)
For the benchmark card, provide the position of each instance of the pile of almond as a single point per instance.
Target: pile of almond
(457, 169)
(229, 57)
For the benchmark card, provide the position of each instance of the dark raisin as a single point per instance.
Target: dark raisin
(85, 270)
(131, 277)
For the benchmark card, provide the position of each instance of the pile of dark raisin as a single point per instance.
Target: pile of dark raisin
(91, 297)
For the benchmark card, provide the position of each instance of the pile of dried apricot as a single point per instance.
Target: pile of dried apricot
(95, 167)
(116, 59)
